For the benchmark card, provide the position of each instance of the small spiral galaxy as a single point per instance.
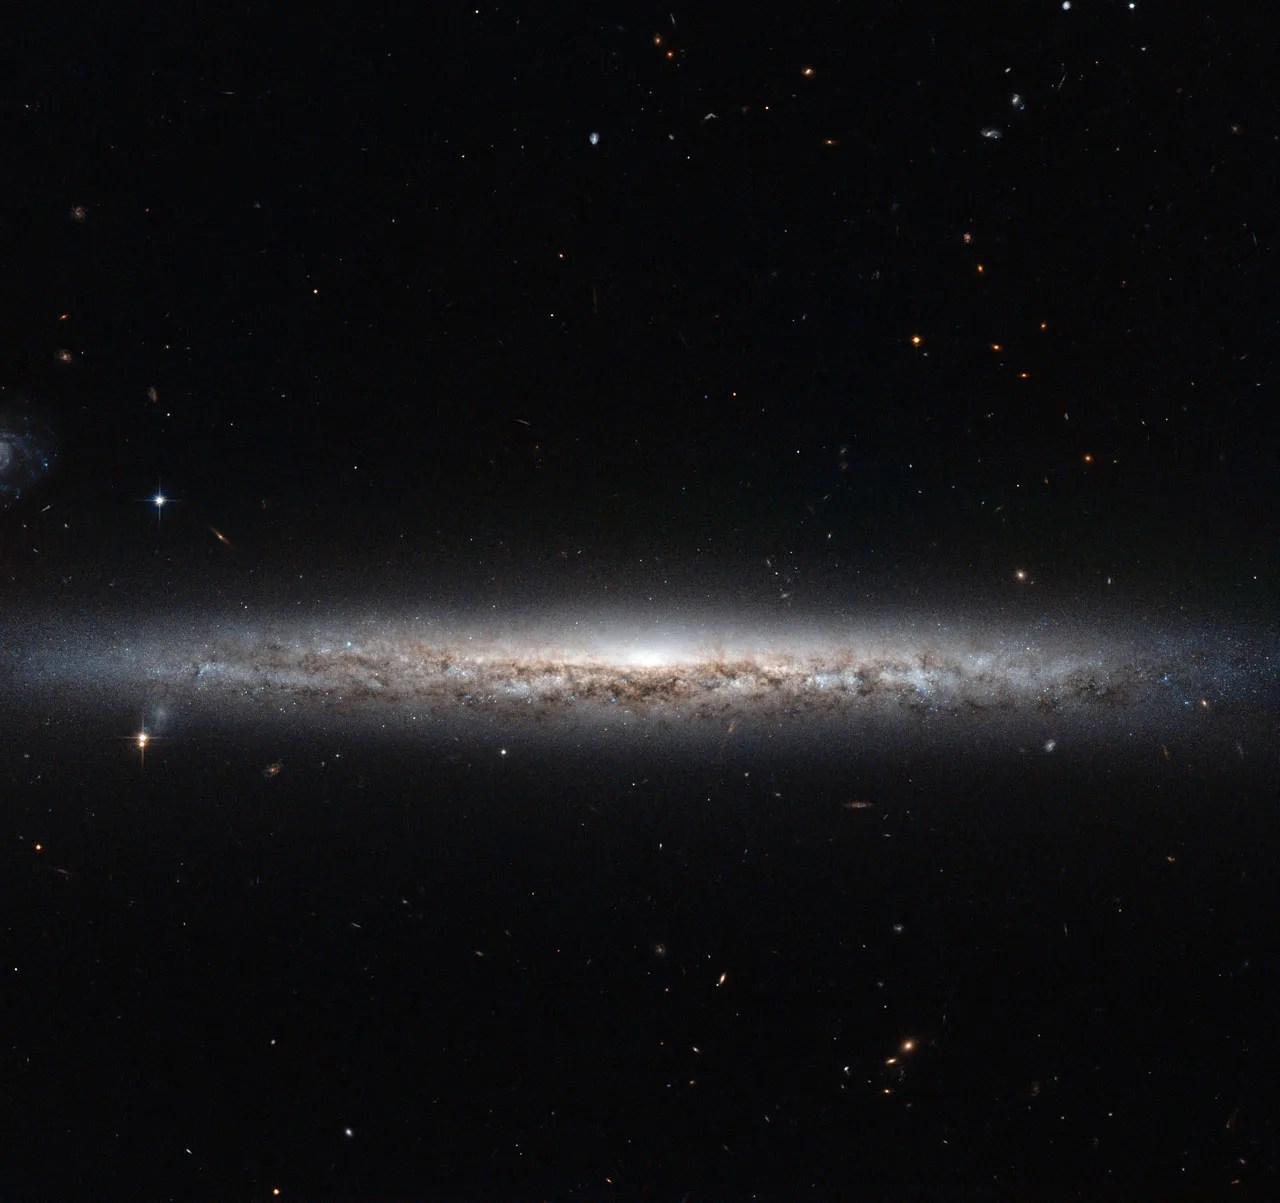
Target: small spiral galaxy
(27, 452)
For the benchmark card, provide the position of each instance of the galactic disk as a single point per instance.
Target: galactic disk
(576, 675)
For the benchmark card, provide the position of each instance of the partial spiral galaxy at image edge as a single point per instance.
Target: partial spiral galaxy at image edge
(28, 451)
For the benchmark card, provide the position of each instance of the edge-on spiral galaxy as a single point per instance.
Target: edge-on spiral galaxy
(419, 674)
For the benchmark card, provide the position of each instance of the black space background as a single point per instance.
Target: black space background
(734, 304)
(413, 337)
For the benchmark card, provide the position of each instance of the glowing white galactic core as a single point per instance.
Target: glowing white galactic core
(422, 673)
